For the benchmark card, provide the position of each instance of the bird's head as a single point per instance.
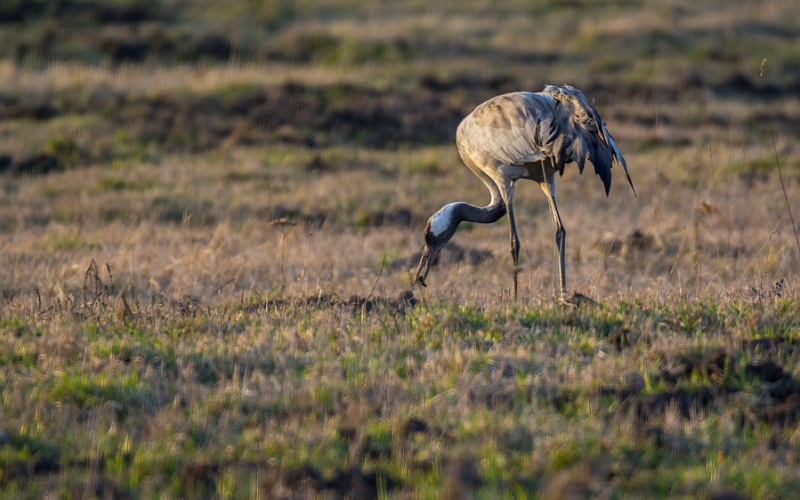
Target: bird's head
(440, 228)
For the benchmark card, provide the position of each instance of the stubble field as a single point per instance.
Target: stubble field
(210, 216)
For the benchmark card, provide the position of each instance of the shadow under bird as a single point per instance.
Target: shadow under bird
(524, 135)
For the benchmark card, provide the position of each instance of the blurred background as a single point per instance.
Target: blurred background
(163, 138)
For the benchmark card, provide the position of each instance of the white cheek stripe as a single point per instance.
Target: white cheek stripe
(441, 220)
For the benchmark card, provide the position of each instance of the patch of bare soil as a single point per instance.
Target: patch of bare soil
(402, 217)
(736, 85)
(290, 113)
(711, 365)
(780, 408)
(461, 478)
(636, 240)
(199, 478)
(81, 10)
(450, 255)
(727, 495)
(344, 483)
(37, 164)
(36, 466)
(578, 299)
(314, 116)
(687, 404)
(770, 345)
(355, 303)
(622, 338)
(587, 479)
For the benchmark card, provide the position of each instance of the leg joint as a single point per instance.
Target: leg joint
(561, 235)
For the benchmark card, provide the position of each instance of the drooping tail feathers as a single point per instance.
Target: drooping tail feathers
(591, 140)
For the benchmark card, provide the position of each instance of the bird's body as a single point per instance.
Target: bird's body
(524, 135)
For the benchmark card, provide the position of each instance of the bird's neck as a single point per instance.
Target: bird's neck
(462, 211)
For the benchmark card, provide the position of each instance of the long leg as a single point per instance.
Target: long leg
(508, 199)
(549, 188)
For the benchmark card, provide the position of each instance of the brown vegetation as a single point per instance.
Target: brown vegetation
(209, 217)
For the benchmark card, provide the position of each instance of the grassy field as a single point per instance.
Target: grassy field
(210, 214)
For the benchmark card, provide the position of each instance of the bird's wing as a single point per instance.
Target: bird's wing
(557, 123)
(514, 129)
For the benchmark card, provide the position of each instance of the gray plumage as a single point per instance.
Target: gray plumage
(524, 135)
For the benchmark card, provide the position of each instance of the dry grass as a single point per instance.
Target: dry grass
(197, 226)
(205, 298)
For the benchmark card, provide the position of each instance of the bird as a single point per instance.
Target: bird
(524, 135)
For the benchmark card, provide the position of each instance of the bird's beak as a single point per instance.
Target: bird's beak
(428, 256)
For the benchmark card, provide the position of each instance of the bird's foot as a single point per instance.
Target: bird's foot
(563, 301)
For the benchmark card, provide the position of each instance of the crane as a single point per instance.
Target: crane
(523, 135)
